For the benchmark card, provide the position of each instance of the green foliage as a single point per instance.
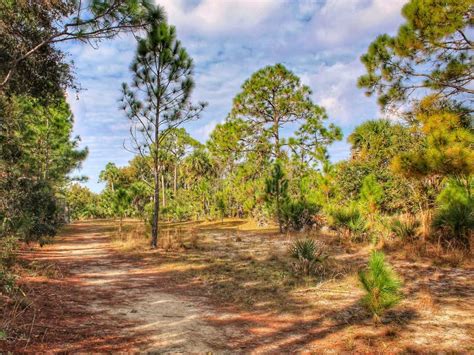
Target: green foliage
(431, 51)
(406, 229)
(276, 191)
(37, 153)
(310, 254)
(378, 141)
(112, 176)
(447, 140)
(381, 285)
(82, 203)
(349, 220)
(8, 249)
(374, 144)
(121, 201)
(454, 215)
(296, 215)
(308, 249)
(30, 61)
(371, 193)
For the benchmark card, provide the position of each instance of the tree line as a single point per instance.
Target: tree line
(268, 160)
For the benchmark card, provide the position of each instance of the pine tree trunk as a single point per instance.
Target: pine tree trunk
(156, 211)
(156, 180)
(163, 191)
(175, 182)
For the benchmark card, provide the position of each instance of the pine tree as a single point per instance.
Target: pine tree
(158, 100)
(381, 285)
(431, 51)
(273, 98)
(276, 191)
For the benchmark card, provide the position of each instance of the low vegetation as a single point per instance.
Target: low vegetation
(310, 255)
(381, 285)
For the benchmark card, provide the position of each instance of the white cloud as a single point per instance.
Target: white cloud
(203, 132)
(215, 17)
(321, 41)
(343, 21)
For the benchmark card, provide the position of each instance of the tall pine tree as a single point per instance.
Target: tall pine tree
(158, 99)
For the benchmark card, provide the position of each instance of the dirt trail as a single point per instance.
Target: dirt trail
(227, 297)
(123, 291)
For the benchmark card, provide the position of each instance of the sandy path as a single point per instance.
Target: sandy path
(128, 291)
(107, 301)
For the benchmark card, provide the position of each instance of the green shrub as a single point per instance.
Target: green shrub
(454, 216)
(406, 229)
(7, 280)
(381, 284)
(8, 249)
(350, 220)
(296, 215)
(176, 212)
(309, 253)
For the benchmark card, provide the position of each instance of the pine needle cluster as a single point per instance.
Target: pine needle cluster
(381, 284)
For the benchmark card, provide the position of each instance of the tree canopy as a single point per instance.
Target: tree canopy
(431, 53)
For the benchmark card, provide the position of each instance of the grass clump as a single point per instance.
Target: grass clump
(381, 284)
(310, 254)
(405, 229)
(350, 221)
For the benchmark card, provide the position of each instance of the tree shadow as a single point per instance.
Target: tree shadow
(255, 295)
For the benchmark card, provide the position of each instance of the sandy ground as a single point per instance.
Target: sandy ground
(227, 298)
(127, 291)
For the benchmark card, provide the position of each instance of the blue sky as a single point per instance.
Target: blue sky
(319, 40)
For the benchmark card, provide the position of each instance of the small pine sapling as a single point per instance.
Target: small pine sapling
(381, 284)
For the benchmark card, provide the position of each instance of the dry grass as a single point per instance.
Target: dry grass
(238, 262)
(235, 265)
(245, 274)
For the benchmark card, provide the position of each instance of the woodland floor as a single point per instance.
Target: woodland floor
(225, 287)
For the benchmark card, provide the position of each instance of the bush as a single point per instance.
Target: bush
(350, 220)
(8, 249)
(33, 214)
(381, 285)
(296, 215)
(454, 216)
(310, 254)
(406, 230)
(176, 212)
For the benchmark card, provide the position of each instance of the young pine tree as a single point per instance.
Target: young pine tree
(276, 191)
(381, 285)
(121, 201)
(158, 100)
